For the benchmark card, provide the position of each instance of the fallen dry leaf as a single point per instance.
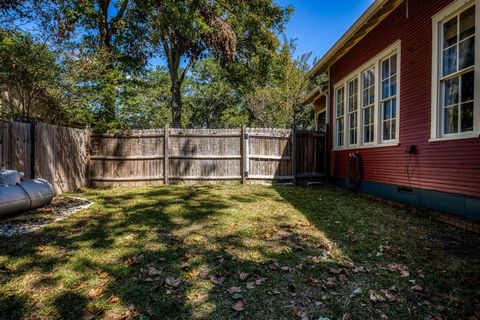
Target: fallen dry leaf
(331, 282)
(335, 271)
(259, 281)
(275, 266)
(404, 273)
(130, 314)
(113, 299)
(220, 259)
(95, 293)
(417, 288)
(342, 278)
(358, 269)
(243, 276)
(346, 263)
(302, 315)
(233, 290)
(151, 271)
(346, 316)
(216, 279)
(375, 297)
(172, 282)
(389, 295)
(312, 282)
(134, 260)
(239, 305)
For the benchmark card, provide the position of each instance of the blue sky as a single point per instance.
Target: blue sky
(318, 24)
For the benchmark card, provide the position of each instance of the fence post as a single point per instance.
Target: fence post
(165, 155)
(243, 150)
(294, 155)
(2, 153)
(32, 149)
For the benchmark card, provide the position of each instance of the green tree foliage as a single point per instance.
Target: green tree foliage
(229, 30)
(221, 100)
(106, 41)
(145, 101)
(215, 102)
(33, 85)
(27, 74)
(276, 99)
(225, 65)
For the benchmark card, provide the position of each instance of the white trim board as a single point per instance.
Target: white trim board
(375, 62)
(437, 21)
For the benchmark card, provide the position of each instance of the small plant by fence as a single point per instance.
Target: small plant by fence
(71, 158)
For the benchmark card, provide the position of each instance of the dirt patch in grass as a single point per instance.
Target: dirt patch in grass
(240, 252)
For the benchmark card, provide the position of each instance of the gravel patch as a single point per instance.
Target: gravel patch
(31, 220)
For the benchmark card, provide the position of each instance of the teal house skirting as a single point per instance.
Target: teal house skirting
(457, 204)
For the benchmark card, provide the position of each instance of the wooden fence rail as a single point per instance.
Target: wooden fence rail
(71, 158)
(246, 155)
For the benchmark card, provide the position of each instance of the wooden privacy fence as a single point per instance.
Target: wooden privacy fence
(39, 150)
(71, 158)
(247, 155)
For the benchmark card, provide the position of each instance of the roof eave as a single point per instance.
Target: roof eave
(326, 60)
(313, 95)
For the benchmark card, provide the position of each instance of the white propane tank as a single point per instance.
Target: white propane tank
(17, 195)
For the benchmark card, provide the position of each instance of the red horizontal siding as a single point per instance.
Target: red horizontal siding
(448, 166)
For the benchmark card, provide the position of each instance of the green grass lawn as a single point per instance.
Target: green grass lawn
(241, 252)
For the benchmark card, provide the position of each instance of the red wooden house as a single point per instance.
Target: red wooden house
(403, 91)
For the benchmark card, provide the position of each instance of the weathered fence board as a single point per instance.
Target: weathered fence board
(57, 154)
(15, 146)
(247, 155)
(71, 158)
(133, 158)
(310, 154)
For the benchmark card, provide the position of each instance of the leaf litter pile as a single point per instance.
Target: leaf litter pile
(238, 252)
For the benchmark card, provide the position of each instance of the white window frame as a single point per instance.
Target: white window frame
(395, 48)
(444, 15)
(389, 98)
(348, 113)
(337, 117)
(373, 105)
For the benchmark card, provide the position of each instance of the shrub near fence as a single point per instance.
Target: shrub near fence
(71, 158)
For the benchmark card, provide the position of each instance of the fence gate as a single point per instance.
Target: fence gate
(269, 156)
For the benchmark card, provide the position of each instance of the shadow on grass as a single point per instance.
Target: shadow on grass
(114, 259)
(12, 306)
(378, 233)
(186, 232)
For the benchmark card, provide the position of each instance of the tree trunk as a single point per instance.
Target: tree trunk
(176, 103)
(177, 77)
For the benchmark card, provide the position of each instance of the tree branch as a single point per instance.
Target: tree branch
(120, 12)
(185, 71)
